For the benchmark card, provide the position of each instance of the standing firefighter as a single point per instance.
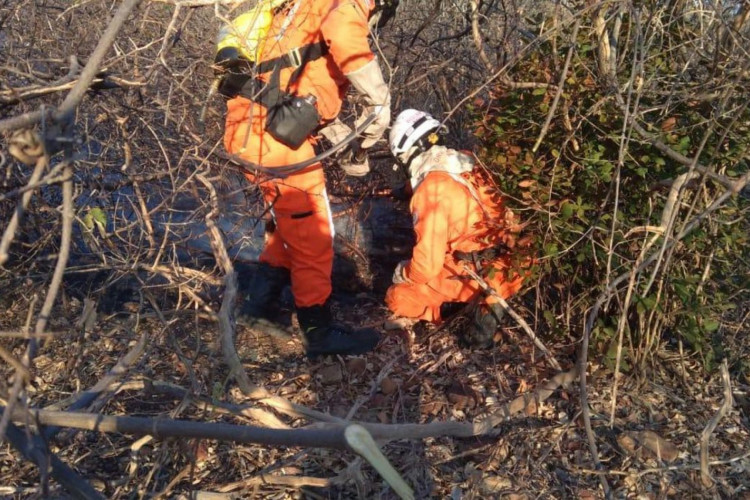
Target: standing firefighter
(289, 64)
(459, 220)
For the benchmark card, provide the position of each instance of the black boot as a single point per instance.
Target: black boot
(485, 321)
(450, 309)
(325, 337)
(260, 292)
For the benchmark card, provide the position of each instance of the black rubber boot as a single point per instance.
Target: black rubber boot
(450, 309)
(260, 292)
(325, 337)
(485, 321)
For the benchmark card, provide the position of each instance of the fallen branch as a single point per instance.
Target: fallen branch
(361, 441)
(333, 427)
(331, 437)
(226, 313)
(280, 480)
(84, 399)
(34, 450)
(175, 391)
(26, 335)
(711, 426)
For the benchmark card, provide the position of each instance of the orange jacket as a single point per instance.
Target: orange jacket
(448, 218)
(342, 24)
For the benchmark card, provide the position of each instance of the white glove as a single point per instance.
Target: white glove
(354, 163)
(368, 80)
(336, 132)
(398, 273)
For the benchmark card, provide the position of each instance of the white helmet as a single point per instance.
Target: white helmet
(410, 126)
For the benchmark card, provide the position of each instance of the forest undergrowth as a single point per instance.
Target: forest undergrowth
(619, 134)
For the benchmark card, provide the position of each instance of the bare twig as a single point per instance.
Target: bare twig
(226, 313)
(34, 450)
(560, 86)
(513, 314)
(88, 74)
(84, 399)
(477, 35)
(726, 405)
(10, 230)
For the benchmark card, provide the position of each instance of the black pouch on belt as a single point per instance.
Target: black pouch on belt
(292, 120)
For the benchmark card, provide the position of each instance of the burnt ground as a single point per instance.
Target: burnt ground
(421, 376)
(413, 377)
(542, 453)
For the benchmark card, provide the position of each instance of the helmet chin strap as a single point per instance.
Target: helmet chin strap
(422, 145)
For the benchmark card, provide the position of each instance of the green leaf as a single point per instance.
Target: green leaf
(567, 210)
(99, 216)
(550, 318)
(710, 325)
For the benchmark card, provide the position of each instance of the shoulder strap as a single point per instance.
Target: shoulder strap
(294, 58)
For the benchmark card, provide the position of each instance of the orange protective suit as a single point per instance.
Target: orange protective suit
(303, 239)
(448, 218)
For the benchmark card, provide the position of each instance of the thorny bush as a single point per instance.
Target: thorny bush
(596, 189)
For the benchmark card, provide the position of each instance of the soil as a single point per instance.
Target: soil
(542, 453)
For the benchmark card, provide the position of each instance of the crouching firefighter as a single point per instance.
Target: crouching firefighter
(459, 221)
(287, 66)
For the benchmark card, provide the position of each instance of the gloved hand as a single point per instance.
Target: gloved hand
(368, 80)
(398, 273)
(353, 160)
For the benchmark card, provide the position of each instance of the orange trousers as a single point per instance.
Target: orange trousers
(303, 239)
(453, 284)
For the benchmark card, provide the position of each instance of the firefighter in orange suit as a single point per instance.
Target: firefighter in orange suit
(459, 220)
(312, 51)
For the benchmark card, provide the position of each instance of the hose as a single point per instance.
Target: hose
(284, 171)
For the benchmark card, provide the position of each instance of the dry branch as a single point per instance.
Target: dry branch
(726, 405)
(226, 313)
(280, 480)
(477, 35)
(522, 322)
(332, 437)
(10, 229)
(560, 86)
(361, 441)
(34, 450)
(334, 428)
(88, 74)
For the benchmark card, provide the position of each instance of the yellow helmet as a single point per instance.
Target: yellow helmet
(245, 36)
